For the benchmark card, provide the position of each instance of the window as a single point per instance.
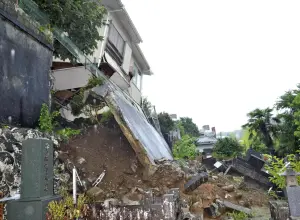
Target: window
(116, 40)
(137, 77)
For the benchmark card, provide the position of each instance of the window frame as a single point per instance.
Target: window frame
(112, 47)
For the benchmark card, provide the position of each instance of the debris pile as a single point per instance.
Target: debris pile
(110, 172)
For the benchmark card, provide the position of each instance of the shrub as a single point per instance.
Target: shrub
(64, 209)
(276, 167)
(106, 116)
(227, 148)
(47, 119)
(67, 133)
(185, 148)
(239, 215)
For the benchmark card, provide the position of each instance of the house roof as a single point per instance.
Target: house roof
(136, 38)
(206, 140)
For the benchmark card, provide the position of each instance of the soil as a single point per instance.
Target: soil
(105, 149)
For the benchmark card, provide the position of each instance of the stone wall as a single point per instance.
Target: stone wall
(25, 61)
(168, 207)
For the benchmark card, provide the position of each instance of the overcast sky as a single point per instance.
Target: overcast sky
(216, 60)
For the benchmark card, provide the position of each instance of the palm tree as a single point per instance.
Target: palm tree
(262, 122)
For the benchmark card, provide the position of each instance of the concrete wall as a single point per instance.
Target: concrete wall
(135, 93)
(25, 60)
(70, 78)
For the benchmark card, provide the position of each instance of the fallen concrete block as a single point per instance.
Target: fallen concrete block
(279, 210)
(195, 182)
(230, 205)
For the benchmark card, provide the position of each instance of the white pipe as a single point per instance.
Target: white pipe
(74, 187)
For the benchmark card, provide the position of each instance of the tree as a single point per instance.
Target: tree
(190, 128)
(262, 122)
(146, 106)
(254, 142)
(227, 148)
(289, 106)
(166, 123)
(185, 148)
(80, 19)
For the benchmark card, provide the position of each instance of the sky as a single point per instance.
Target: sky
(216, 60)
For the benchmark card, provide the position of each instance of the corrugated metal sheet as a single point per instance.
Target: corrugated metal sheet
(153, 143)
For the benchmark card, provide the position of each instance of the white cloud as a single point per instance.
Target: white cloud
(216, 60)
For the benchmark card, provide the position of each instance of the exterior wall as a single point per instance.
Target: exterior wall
(70, 78)
(205, 147)
(128, 61)
(25, 61)
(135, 93)
(120, 81)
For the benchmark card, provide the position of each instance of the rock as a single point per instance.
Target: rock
(64, 177)
(238, 195)
(195, 182)
(95, 191)
(213, 210)
(127, 201)
(111, 201)
(229, 188)
(197, 207)
(190, 216)
(227, 196)
(81, 160)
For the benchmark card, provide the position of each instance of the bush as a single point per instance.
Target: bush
(64, 209)
(227, 148)
(47, 119)
(106, 116)
(185, 148)
(67, 133)
(276, 167)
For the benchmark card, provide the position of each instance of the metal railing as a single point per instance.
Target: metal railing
(33, 11)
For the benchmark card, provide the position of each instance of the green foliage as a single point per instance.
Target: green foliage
(77, 103)
(67, 133)
(190, 128)
(262, 123)
(239, 215)
(74, 15)
(93, 82)
(254, 142)
(227, 148)
(181, 128)
(276, 167)
(64, 209)
(166, 123)
(47, 119)
(106, 116)
(185, 148)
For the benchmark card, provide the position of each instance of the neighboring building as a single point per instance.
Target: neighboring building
(205, 144)
(118, 56)
(207, 140)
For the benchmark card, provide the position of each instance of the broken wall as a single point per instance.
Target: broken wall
(25, 60)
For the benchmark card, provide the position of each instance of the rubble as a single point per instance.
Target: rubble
(195, 182)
